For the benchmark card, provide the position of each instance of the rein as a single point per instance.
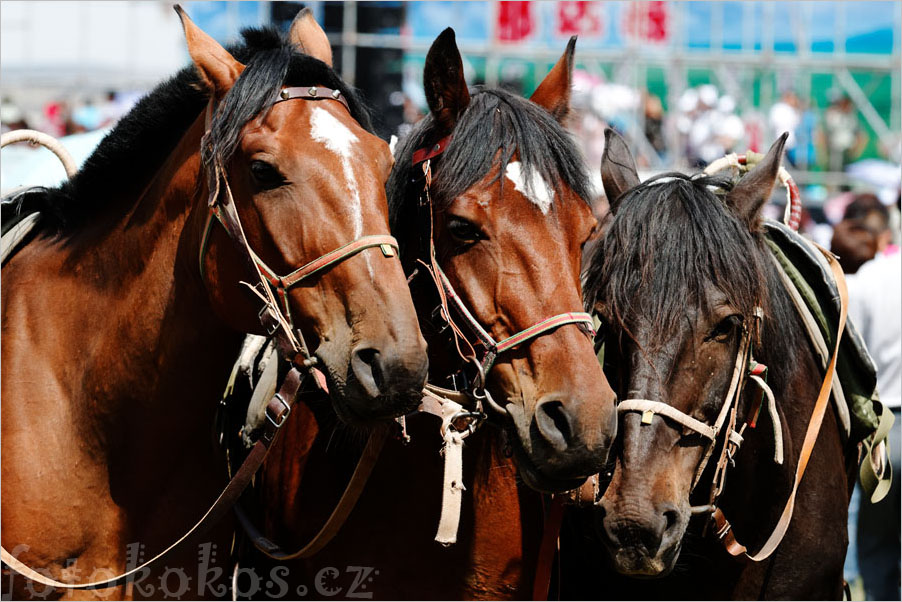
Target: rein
(289, 341)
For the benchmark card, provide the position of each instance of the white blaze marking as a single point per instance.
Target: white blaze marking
(536, 189)
(333, 134)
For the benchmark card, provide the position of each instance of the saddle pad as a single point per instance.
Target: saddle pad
(803, 264)
(14, 232)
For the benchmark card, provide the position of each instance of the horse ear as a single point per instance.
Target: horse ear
(755, 187)
(443, 81)
(553, 94)
(618, 169)
(217, 68)
(306, 34)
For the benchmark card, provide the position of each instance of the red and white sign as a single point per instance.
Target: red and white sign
(647, 21)
(579, 18)
(516, 21)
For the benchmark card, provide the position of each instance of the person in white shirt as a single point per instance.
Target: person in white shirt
(875, 307)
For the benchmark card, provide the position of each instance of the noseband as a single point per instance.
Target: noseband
(277, 322)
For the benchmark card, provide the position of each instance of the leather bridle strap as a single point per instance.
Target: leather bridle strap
(724, 529)
(430, 152)
(277, 411)
(312, 93)
(495, 348)
(339, 513)
(386, 243)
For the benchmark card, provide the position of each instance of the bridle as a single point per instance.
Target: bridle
(461, 408)
(275, 315)
(744, 367)
(465, 346)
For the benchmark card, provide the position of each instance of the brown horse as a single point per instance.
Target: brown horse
(123, 315)
(510, 217)
(690, 294)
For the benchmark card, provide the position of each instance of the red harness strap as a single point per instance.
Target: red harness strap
(430, 152)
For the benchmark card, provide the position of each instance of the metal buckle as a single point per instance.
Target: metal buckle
(284, 416)
(472, 422)
(272, 324)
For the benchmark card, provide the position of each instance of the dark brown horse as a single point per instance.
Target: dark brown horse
(689, 295)
(510, 217)
(123, 315)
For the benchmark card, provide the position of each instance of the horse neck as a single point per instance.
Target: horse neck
(172, 355)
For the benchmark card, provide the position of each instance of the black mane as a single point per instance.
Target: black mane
(495, 122)
(144, 138)
(668, 241)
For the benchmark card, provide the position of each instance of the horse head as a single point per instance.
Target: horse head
(289, 146)
(678, 281)
(509, 215)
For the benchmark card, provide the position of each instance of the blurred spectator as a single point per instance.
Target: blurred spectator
(11, 116)
(875, 295)
(807, 139)
(863, 232)
(87, 117)
(654, 124)
(709, 125)
(56, 118)
(785, 116)
(844, 137)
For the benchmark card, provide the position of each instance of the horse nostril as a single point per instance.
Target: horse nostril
(553, 423)
(367, 367)
(671, 517)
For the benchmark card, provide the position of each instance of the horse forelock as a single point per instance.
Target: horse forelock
(670, 240)
(142, 140)
(495, 126)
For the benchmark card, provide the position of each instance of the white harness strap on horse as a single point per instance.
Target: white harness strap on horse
(435, 402)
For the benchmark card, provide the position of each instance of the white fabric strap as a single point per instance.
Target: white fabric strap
(817, 339)
(774, 417)
(452, 488)
(661, 408)
(452, 483)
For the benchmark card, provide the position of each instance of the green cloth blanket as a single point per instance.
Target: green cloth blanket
(854, 366)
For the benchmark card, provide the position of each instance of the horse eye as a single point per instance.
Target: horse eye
(464, 230)
(724, 329)
(265, 175)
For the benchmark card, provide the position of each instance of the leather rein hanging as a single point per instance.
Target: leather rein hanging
(289, 341)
